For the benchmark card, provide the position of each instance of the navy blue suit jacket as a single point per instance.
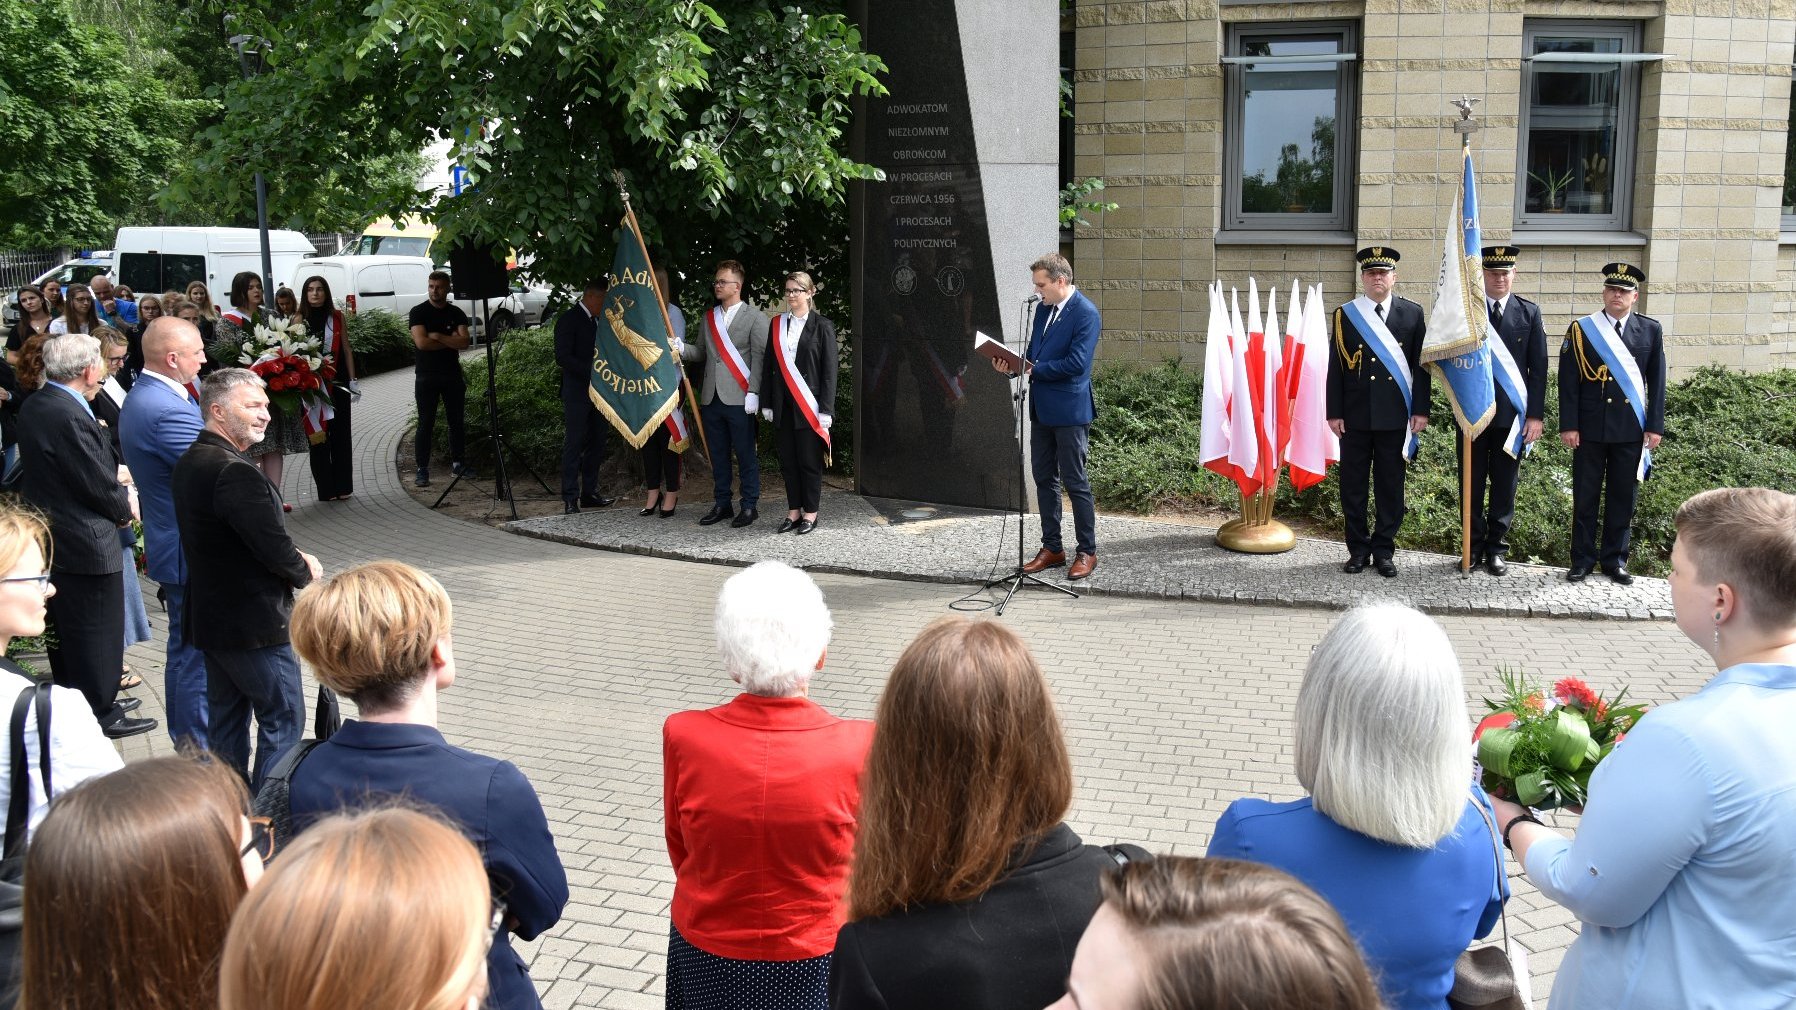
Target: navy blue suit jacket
(1060, 383)
(491, 800)
(156, 425)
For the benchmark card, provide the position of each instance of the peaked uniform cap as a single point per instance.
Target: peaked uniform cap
(1501, 257)
(1623, 275)
(1378, 257)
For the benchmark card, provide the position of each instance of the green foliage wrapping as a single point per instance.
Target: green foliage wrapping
(1724, 428)
(382, 342)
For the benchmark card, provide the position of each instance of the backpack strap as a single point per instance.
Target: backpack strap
(18, 805)
(1124, 854)
(274, 798)
(43, 736)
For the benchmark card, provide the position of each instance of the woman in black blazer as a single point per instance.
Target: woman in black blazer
(801, 358)
(967, 888)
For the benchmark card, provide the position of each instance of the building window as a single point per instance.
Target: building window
(1579, 125)
(1286, 165)
(1790, 162)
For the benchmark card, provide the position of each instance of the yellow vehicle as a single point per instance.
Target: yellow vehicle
(407, 237)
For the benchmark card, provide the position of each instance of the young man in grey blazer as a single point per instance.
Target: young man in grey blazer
(731, 341)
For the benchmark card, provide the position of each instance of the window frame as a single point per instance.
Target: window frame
(1787, 223)
(1347, 93)
(1620, 216)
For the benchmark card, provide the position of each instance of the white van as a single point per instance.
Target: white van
(363, 283)
(168, 259)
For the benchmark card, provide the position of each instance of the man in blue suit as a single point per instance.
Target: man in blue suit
(159, 420)
(1063, 339)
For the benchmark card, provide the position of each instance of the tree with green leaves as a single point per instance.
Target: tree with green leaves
(728, 119)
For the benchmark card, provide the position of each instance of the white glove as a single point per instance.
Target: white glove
(767, 415)
(751, 404)
(827, 420)
(355, 391)
(679, 347)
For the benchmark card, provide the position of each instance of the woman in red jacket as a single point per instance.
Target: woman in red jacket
(333, 467)
(761, 797)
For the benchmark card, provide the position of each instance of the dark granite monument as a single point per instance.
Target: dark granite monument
(941, 248)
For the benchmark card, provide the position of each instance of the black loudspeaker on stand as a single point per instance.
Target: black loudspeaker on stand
(1018, 578)
(476, 272)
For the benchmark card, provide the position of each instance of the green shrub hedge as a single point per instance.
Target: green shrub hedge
(1723, 428)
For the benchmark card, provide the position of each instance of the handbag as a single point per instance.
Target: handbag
(18, 819)
(1492, 977)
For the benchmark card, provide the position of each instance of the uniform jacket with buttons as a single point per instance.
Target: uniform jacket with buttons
(1361, 391)
(1596, 407)
(1526, 337)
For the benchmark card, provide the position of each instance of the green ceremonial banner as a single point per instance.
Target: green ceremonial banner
(635, 376)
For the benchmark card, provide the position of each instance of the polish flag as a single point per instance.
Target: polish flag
(1219, 374)
(1244, 444)
(1263, 359)
(1313, 444)
(1289, 369)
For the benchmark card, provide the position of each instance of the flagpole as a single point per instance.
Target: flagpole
(1465, 469)
(661, 300)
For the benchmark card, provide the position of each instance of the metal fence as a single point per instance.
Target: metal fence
(19, 268)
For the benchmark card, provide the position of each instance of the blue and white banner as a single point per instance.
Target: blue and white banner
(1454, 348)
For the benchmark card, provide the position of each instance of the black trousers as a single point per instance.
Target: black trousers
(1378, 454)
(801, 463)
(1491, 465)
(333, 467)
(660, 464)
(453, 391)
(87, 618)
(1603, 470)
(583, 448)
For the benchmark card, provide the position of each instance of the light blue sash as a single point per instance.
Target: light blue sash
(1626, 373)
(1390, 352)
(1509, 380)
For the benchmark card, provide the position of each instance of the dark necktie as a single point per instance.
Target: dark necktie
(1053, 312)
(1496, 315)
(1379, 309)
(1618, 329)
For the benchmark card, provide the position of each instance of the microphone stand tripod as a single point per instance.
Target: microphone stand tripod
(1019, 396)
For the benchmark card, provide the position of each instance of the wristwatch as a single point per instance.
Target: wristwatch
(1524, 816)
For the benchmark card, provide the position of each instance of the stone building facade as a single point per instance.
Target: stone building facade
(1273, 139)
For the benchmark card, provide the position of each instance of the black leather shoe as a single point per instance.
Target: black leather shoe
(421, 479)
(1479, 559)
(1496, 565)
(717, 514)
(805, 526)
(1578, 573)
(787, 526)
(570, 508)
(118, 729)
(745, 517)
(596, 501)
(128, 704)
(1354, 566)
(651, 510)
(1618, 575)
(668, 513)
(1386, 567)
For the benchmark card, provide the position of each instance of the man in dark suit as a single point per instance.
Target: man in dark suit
(1063, 341)
(732, 344)
(159, 421)
(1611, 413)
(242, 569)
(72, 475)
(1498, 451)
(1378, 398)
(583, 448)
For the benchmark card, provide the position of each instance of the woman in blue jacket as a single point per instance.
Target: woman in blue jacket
(379, 633)
(1393, 832)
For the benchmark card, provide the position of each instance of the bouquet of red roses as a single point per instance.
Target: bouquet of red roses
(1539, 750)
(298, 372)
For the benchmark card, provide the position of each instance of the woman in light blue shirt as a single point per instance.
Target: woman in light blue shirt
(1393, 832)
(1683, 870)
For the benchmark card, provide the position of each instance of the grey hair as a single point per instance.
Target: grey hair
(772, 627)
(218, 386)
(1056, 265)
(1383, 745)
(67, 356)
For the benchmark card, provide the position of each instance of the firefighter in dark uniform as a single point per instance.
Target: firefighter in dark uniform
(1367, 409)
(1607, 428)
(1517, 321)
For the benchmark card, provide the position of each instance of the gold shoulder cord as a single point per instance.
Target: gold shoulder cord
(1598, 374)
(1349, 360)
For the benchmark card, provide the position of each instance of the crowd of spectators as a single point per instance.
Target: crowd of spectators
(917, 859)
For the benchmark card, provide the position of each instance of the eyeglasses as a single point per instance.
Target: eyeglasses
(261, 839)
(43, 581)
(115, 359)
(798, 291)
(723, 283)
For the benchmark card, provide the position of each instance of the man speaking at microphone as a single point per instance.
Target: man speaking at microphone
(1063, 340)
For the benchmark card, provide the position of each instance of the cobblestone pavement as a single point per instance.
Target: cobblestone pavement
(1172, 707)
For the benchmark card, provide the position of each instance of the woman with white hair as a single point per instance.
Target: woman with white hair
(761, 797)
(1393, 833)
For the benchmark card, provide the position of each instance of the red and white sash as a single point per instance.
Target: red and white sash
(679, 435)
(801, 394)
(236, 317)
(726, 352)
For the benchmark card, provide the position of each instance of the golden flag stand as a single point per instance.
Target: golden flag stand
(1256, 532)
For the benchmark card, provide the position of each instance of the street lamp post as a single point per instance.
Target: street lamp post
(251, 50)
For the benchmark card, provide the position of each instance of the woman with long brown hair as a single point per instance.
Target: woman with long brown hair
(134, 877)
(34, 318)
(388, 908)
(78, 312)
(967, 888)
(333, 460)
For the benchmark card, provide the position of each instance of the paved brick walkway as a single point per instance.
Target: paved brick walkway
(1172, 708)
